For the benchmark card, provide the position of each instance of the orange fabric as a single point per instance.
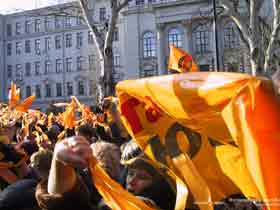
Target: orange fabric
(181, 61)
(114, 195)
(176, 115)
(256, 115)
(14, 95)
(25, 105)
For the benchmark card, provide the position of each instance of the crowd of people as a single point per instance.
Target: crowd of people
(45, 161)
(45, 158)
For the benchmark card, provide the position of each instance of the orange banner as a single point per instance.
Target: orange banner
(208, 129)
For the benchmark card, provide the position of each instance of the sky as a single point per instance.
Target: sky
(19, 5)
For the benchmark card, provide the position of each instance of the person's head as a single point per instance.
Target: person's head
(41, 161)
(86, 131)
(141, 174)
(108, 156)
(143, 179)
(19, 196)
(53, 133)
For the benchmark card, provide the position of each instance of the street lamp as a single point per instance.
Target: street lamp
(215, 29)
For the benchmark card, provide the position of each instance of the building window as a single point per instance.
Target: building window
(19, 72)
(9, 49)
(92, 87)
(48, 23)
(47, 43)
(58, 90)
(9, 71)
(102, 14)
(18, 48)
(58, 42)
(68, 40)
(79, 20)
(69, 86)
(68, 22)
(149, 44)
(90, 37)
(27, 46)
(47, 67)
(48, 91)
(201, 35)
(37, 47)
(139, 2)
(27, 69)
(37, 68)
(18, 28)
(116, 34)
(58, 22)
(204, 67)
(116, 59)
(68, 64)
(231, 39)
(37, 25)
(28, 91)
(81, 88)
(175, 37)
(58, 65)
(232, 67)
(9, 30)
(80, 63)
(38, 91)
(149, 72)
(79, 39)
(28, 26)
(91, 62)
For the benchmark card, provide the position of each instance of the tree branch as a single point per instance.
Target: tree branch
(122, 5)
(97, 36)
(238, 20)
(274, 34)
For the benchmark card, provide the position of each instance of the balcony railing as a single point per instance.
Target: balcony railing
(147, 3)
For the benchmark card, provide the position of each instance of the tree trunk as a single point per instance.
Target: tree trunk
(254, 67)
(108, 83)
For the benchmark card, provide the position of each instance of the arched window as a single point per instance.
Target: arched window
(175, 37)
(231, 38)
(149, 44)
(201, 36)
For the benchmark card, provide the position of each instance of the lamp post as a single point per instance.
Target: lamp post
(215, 29)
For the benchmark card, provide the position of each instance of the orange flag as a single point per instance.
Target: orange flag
(14, 95)
(181, 61)
(25, 105)
(68, 117)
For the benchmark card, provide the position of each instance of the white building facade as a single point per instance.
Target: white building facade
(54, 56)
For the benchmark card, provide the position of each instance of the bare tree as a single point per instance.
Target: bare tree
(104, 41)
(259, 31)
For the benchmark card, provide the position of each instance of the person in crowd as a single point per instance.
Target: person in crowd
(88, 132)
(13, 162)
(108, 155)
(19, 196)
(65, 189)
(40, 164)
(142, 179)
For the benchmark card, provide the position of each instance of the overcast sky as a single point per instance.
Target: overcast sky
(8, 6)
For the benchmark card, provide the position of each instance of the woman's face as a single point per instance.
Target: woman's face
(137, 180)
